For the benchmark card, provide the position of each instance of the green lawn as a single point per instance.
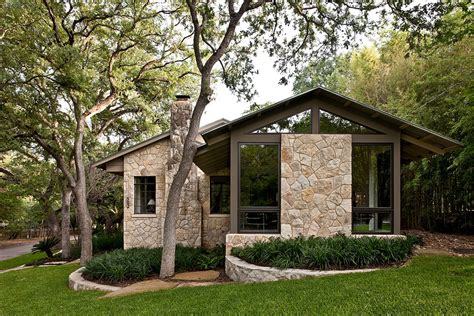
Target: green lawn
(428, 285)
(20, 260)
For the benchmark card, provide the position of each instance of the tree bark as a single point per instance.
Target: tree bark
(66, 222)
(80, 195)
(169, 233)
(189, 149)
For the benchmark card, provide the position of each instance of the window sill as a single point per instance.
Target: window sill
(143, 215)
(218, 215)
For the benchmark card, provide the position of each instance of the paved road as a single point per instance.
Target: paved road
(15, 251)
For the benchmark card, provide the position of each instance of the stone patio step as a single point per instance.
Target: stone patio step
(208, 275)
(142, 287)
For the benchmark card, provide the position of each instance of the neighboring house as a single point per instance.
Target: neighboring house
(315, 164)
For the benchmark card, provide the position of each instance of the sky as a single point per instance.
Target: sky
(226, 105)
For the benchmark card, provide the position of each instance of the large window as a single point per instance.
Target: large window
(372, 188)
(220, 195)
(297, 124)
(145, 195)
(259, 187)
(334, 124)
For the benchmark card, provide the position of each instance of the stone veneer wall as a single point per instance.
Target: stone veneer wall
(144, 230)
(188, 224)
(214, 226)
(316, 179)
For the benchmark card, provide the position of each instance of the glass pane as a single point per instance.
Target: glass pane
(145, 195)
(298, 124)
(259, 221)
(371, 175)
(333, 124)
(220, 195)
(259, 166)
(371, 222)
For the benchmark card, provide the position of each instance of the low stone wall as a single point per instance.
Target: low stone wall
(239, 240)
(241, 271)
(78, 283)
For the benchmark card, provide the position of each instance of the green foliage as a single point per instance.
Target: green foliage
(139, 263)
(432, 86)
(212, 259)
(104, 241)
(338, 252)
(46, 245)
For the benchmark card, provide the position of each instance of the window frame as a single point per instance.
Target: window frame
(311, 131)
(258, 209)
(218, 178)
(385, 209)
(146, 196)
(375, 132)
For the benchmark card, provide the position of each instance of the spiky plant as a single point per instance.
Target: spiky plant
(46, 245)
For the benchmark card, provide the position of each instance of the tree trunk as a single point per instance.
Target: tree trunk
(66, 222)
(53, 224)
(169, 233)
(80, 194)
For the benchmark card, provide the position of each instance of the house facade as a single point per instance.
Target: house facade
(316, 164)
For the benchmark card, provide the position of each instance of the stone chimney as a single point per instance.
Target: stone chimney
(181, 111)
(189, 221)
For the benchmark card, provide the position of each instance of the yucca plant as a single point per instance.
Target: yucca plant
(46, 245)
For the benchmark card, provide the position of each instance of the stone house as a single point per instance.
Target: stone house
(315, 164)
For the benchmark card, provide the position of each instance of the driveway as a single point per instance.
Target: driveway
(16, 250)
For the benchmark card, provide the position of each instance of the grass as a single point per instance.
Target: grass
(428, 285)
(20, 260)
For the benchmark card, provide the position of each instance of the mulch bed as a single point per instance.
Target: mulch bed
(458, 245)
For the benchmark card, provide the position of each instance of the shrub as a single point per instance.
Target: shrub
(46, 246)
(103, 242)
(337, 252)
(138, 263)
(212, 258)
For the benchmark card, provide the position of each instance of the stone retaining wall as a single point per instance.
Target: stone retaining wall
(241, 271)
(239, 240)
(78, 283)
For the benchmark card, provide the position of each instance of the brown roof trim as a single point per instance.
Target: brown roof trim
(101, 163)
(431, 138)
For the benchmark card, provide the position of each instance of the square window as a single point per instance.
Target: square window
(145, 195)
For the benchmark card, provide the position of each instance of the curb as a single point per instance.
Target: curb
(78, 283)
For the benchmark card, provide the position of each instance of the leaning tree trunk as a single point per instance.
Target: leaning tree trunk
(186, 162)
(66, 222)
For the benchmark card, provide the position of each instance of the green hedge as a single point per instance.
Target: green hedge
(103, 241)
(337, 252)
(138, 263)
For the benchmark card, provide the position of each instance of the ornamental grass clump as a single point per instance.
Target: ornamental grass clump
(139, 263)
(318, 253)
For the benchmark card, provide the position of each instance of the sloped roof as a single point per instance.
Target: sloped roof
(101, 163)
(423, 141)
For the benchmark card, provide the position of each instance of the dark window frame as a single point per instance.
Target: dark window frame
(219, 180)
(145, 183)
(376, 132)
(389, 209)
(257, 209)
(311, 116)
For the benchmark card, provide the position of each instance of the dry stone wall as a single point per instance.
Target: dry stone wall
(316, 181)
